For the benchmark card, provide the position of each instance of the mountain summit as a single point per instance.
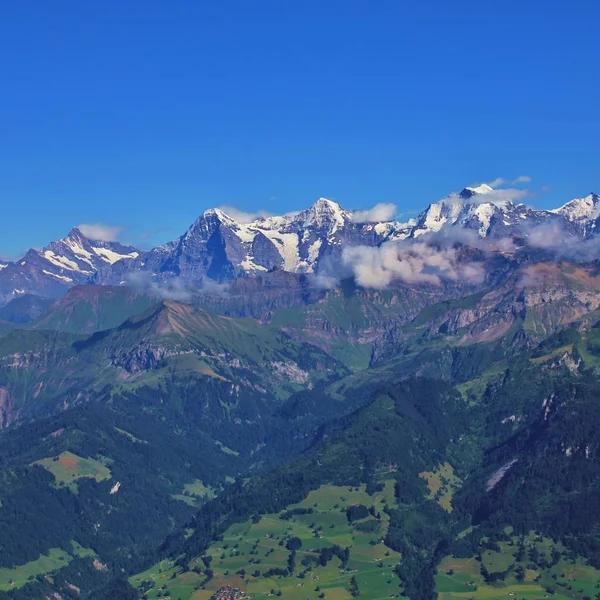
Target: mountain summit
(583, 213)
(219, 247)
(60, 265)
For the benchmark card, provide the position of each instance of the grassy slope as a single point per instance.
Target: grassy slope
(86, 309)
(67, 468)
(253, 547)
(46, 564)
(571, 577)
(193, 343)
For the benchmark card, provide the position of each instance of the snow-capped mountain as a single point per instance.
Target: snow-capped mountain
(583, 214)
(482, 209)
(51, 271)
(219, 247)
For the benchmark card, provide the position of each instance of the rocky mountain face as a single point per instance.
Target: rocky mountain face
(583, 214)
(482, 210)
(219, 248)
(51, 271)
(532, 303)
(169, 344)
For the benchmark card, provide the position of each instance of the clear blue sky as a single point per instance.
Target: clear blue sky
(143, 113)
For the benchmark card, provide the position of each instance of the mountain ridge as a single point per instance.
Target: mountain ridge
(60, 265)
(218, 247)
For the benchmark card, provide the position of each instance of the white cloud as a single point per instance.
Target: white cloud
(175, 288)
(497, 182)
(505, 244)
(100, 232)
(504, 195)
(384, 211)
(553, 237)
(500, 181)
(172, 289)
(242, 216)
(494, 196)
(522, 179)
(414, 262)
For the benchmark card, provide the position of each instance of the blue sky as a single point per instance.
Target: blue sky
(143, 114)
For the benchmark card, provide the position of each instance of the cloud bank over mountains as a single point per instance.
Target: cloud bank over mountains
(410, 262)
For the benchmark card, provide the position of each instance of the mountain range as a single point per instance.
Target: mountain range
(217, 248)
(310, 406)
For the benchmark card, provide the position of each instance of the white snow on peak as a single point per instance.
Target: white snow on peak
(272, 222)
(76, 247)
(461, 208)
(3, 266)
(484, 188)
(289, 231)
(217, 212)
(485, 211)
(245, 232)
(287, 245)
(580, 209)
(313, 251)
(248, 264)
(61, 277)
(322, 201)
(435, 218)
(449, 210)
(62, 261)
(112, 257)
(324, 212)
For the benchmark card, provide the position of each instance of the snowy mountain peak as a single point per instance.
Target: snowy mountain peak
(217, 212)
(469, 192)
(326, 202)
(580, 208)
(324, 213)
(72, 260)
(476, 208)
(582, 213)
(74, 234)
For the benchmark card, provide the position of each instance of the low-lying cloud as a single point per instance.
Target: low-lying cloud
(496, 196)
(562, 243)
(384, 211)
(175, 288)
(410, 262)
(101, 232)
(499, 181)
